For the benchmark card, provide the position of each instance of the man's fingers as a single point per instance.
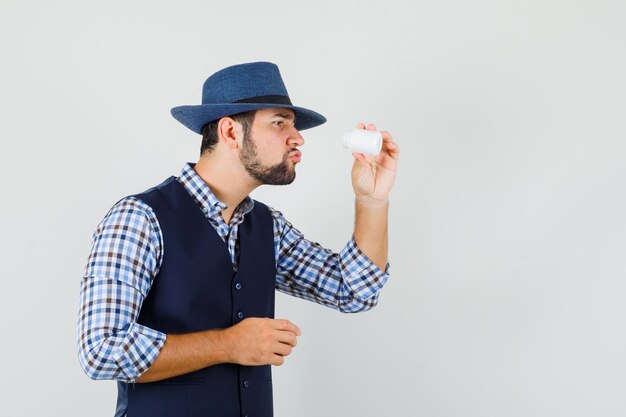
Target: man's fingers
(389, 144)
(282, 349)
(288, 338)
(386, 136)
(282, 324)
(277, 360)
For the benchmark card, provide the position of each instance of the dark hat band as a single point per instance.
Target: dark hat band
(283, 100)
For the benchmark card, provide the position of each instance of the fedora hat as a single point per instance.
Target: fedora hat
(242, 88)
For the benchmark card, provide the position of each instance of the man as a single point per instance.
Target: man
(179, 310)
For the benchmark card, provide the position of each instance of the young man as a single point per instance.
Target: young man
(177, 299)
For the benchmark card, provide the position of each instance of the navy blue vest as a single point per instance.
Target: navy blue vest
(197, 289)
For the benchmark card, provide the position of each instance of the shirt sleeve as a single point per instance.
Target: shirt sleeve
(347, 281)
(125, 257)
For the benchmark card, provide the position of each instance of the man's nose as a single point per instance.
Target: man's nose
(295, 138)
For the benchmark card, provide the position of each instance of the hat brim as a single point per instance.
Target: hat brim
(195, 117)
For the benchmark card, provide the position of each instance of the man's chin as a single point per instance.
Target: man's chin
(284, 181)
(282, 174)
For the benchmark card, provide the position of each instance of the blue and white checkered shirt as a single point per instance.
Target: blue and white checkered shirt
(126, 256)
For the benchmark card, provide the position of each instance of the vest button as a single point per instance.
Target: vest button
(246, 383)
(238, 287)
(240, 315)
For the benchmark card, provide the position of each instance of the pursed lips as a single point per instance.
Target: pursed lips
(296, 155)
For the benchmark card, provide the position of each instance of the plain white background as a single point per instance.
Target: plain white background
(507, 226)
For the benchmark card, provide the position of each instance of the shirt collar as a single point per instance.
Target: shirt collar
(203, 195)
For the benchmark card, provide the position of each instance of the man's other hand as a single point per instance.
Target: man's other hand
(261, 341)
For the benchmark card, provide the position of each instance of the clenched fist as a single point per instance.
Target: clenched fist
(261, 341)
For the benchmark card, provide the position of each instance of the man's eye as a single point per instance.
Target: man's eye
(278, 122)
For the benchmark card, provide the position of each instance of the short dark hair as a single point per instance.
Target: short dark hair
(209, 130)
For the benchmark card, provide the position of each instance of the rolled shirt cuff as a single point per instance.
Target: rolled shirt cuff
(363, 277)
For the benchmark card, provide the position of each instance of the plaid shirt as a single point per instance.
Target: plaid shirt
(126, 256)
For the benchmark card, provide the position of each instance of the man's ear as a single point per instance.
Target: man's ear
(228, 130)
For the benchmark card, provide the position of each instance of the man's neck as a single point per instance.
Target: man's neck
(228, 181)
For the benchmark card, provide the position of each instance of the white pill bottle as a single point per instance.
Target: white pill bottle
(367, 142)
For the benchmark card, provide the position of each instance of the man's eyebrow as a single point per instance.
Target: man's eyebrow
(284, 115)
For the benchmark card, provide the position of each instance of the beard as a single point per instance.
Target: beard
(282, 173)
